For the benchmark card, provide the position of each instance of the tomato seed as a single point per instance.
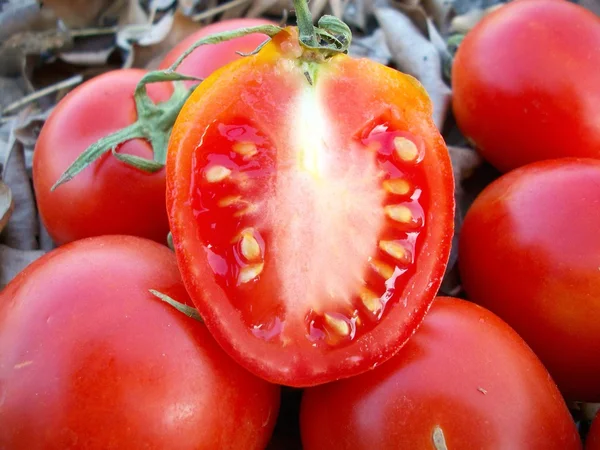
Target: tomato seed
(406, 149)
(397, 186)
(216, 174)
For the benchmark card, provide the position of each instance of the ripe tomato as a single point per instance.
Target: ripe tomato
(311, 210)
(526, 83)
(465, 380)
(90, 359)
(530, 251)
(206, 59)
(109, 197)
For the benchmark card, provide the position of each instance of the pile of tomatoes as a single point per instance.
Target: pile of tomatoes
(310, 201)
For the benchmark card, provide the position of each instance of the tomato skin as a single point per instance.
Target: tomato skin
(528, 251)
(343, 83)
(207, 58)
(90, 359)
(526, 83)
(108, 197)
(464, 371)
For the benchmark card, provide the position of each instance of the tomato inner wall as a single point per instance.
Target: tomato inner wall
(294, 231)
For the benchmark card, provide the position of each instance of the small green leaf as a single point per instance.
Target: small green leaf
(337, 28)
(146, 165)
(256, 50)
(97, 149)
(185, 309)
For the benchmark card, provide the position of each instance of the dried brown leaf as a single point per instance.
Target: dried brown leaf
(17, 16)
(79, 13)
(413, 53)
(592, 5)
(6, 205)
(13, 261)
(269, 7)
(373, 47)
(22, 228)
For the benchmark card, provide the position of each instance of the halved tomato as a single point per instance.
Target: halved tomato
(311, 205)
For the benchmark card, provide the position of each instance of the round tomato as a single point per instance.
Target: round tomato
(109, 196)
(207, 58)
(530, 251)
(311, 210)
(91, 359)
(526, 83)
(465, 380)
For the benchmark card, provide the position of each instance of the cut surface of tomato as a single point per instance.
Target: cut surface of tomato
(311, 209)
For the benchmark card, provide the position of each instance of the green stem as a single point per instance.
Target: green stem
(306, 30)
(97, 149)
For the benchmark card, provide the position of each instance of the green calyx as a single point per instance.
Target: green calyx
(183, 308)
(329, 37)
(155, 121)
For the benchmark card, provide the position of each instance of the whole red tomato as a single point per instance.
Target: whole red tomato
(207, 58)
(530, 251)
(526, 83)
(90, 359)
(109, 196)
(311, 209)
(465, 380)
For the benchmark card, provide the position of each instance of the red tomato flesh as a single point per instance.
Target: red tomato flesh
(304, 216)
(465, 380)
(90, 359)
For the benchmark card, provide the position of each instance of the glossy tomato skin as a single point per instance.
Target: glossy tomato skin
(270, 100)
(465, 375)
(91, 360)
(108, 197)
(526, 83)
(207, 58)
(529, 251)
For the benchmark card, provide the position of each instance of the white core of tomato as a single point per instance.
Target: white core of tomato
(327, 211)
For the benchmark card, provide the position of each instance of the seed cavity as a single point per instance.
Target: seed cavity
(383, 269)
(337, 326)
(250, 272)
(399, 213)
(397, 186)
(249, 245)
(406, 149)
(394, 249)
(216, 174)
(371, 300)
(246, 149)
